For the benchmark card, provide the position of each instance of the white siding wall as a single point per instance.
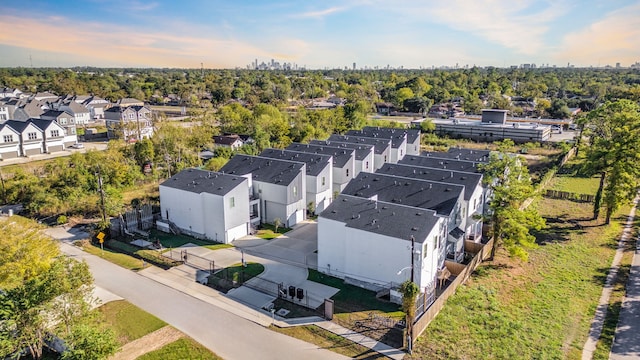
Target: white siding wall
(213, 212)
(368, 163)
(398, 154)
(414, 148)
(10, 148)
(340, 177)
(184, 208)
(371, 257)
(381, 159)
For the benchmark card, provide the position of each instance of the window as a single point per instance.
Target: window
(55, 133)
(32, 136)
(63, 121)
(131, 116)
(323, 181)
(366, 165)
(385, 158)
(295, 190)
(232, 202)
(347, 172)
(7, 138)
(3, 117)
(400, 152)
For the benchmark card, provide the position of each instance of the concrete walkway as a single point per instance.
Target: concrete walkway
(626, 342)
(601, 311)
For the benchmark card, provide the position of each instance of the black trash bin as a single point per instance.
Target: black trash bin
(292, 291)
(300, 294)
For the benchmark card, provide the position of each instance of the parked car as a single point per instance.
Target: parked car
(77, 146)
(557, 128)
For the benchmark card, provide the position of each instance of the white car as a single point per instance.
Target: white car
(77, 146)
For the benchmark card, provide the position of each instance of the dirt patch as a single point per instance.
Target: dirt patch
(148, 343)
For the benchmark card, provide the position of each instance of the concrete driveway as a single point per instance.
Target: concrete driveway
(297, 247)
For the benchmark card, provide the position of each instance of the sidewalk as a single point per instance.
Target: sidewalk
(187, 285)
(626, 342)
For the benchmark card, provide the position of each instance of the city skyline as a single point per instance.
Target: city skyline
(334, 34)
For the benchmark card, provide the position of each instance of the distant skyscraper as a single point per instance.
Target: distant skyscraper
(354, 66)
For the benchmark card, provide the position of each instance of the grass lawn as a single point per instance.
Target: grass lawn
(540, 309)
(184, 348)
(578, 185)
(267, 234)
(143, 192)
(124, 260)
(235, 273)
(174, 241)
(128, 321)
(330, 341)
(352, 298)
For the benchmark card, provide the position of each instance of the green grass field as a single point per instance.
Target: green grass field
(181, 349)
(174, 241)
(540, 309)
(128, 321)
(124, 260)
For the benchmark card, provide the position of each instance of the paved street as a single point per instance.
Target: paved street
(626, 343)
(228, 335)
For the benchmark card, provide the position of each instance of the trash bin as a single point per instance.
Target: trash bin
(300, 294)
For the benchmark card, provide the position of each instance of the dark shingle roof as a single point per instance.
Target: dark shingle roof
(225, 139)
(381, 145)
(18, 125)
(200, 181)
(262, 169)
(383, 218)
(42, 124)
(439, 163)
(54, 113)
(460, 154)
(397, 136)
(362, 150)
(469, 180)
(436, 196)
(412, 134)
(340, 155)
(315, 162)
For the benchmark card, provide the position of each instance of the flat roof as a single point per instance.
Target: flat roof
(470, 181)
(340, 155)
(281, 172)
(460, 154)
(396, 137)
(437, 196)
(201, 181)
(315, 162)
(380, 145)
(393, 220)
(441, 163)
(362, 150)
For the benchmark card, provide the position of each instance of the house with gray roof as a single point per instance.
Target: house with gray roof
(444, 198)
(480, 156)
(207, 204)
(344, 161)
(277, 187)
(363, 156)
(442, 163)
(9, 142)
(373, 243)
(319, 175)
(53, 135)
(31, 137)
(68, 123)
(399, 139)
(131, 123)
(381, 147)
(80, 113)
(473, 197)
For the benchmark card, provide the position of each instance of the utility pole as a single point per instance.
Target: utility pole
(413, 244)
(4, 189)
(104, 211)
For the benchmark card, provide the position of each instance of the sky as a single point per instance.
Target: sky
(318, 34)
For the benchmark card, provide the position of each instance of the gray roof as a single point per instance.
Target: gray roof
(440, 163)
(381, 145)
(281, 172)
(436, 196)
(412, 134)
(54, 114)
(382, 218)
(315, 162)
(397, 136)
(362, 150)
(460, 154)
(200, 181)
(340, 155)
(18, 125)
(469, 180)
(43, 124)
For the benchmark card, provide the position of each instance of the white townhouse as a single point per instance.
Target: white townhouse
(319, 175)
(344, 162)
(444, 198)
(9, 142)
(473, 198)
(398, 140)
(278, 188)
(80, 113)
(375, 242)
(381, 151)
(207, 204)
(68, 123)
(4, 111)
(53, 135)
(412, 136)
(363, 154)
(31, 137)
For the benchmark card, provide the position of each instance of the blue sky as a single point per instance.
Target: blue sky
(315, 34)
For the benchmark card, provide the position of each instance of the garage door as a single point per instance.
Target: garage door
(30, 152)
(56, 148)
(9, 155)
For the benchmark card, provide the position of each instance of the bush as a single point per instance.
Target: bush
(62, 219)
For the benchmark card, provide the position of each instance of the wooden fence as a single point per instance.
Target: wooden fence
(565, 195)
(462, 273)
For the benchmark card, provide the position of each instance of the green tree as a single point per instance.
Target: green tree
(510, 184)
(613, 153)
(409, 291)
